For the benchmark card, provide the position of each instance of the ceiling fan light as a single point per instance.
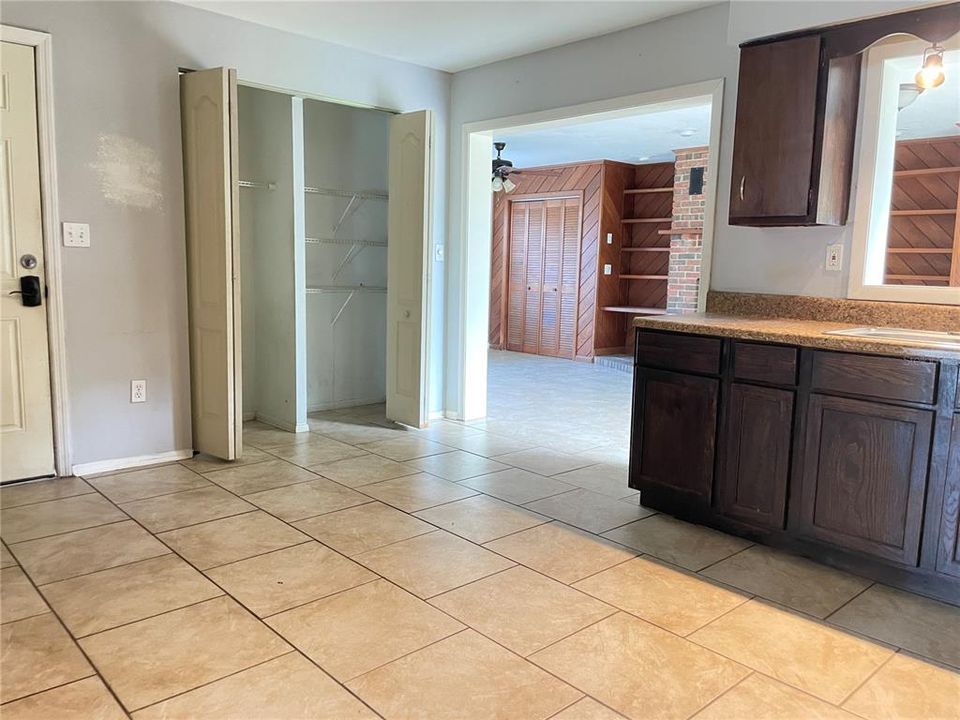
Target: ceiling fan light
(508, 185)
(931, 75)
(498, 184)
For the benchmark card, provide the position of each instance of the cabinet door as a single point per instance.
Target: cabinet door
(948, 554)
(864, 476)
(674, 434)
(774, 141)
(755, 464)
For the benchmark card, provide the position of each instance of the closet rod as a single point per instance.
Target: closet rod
(260, 184)
(343, 241)
(359, 194)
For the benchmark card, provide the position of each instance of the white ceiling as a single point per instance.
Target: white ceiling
(450, 36)
(650, 137)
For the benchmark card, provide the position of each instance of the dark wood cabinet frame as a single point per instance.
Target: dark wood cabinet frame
(746, 419)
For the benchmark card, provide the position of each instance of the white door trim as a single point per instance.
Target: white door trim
(42, 44)
(469, 363)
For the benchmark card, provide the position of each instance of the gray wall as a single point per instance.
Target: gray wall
(115, 77)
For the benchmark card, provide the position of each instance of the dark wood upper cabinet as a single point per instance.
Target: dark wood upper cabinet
(793, 142)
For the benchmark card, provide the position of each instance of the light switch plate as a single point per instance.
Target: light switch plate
(76, 234)
(438, 253)
(608, 269)
(609, 238)
(834, 257)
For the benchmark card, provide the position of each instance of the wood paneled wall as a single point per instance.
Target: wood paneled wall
(578, 178)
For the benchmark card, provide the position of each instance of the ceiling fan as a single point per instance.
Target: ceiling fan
(503, 168)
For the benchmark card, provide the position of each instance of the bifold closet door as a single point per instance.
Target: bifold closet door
(208, 112)
(533, 278)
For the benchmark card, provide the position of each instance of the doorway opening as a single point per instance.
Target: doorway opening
(607, 216)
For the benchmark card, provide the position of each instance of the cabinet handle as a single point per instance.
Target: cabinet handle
(743, 180)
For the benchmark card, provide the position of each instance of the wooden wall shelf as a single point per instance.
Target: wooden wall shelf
(644, 191)
(631, 221)
(635, 310)
(927, 171)
(644, 249)
(643, 277)
(915, 213)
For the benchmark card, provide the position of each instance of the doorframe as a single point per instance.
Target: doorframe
(42, 43)
(475, 220)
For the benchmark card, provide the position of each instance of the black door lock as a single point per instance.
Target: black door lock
(30, 293)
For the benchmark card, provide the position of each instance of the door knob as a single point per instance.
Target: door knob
(29, 292)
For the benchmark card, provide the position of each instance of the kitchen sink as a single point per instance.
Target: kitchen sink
(933, 338)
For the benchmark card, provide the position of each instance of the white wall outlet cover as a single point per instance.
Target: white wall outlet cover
(76, 234)
(834, 257)
(609, 238)
(608, 269)
(138, 391)
(438, 253)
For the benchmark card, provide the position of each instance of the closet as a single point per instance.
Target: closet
(543, 275)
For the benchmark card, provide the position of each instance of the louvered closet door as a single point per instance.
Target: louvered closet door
(516, 279)
(569, 277)
(533, 277)
(552, 266)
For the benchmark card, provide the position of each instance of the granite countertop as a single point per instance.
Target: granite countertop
(789, 331)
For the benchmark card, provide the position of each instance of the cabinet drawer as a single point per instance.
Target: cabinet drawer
(880, 377)
(773, 364)
(672, 351)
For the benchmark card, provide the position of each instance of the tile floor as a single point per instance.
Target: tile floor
(500, 569)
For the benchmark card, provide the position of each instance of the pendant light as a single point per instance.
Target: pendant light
(931, 72)
(509, 185)
(497, 183)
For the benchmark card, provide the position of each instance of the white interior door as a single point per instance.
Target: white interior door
(26, 415)
(208, 102)
(408, 263)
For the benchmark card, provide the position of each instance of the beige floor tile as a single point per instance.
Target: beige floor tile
(522, 610)
(357, 433)
(264, 437)
(106, 599)
(490, 445)
(86, 699)
(303, 500)
(268, 584)
(465, 676)
(42, 490)
(789, 580)
(364, 527)
(457, 465)
(219, 542)
(192, 507)
(289, 687)
(564, 553)
(587, 709)
(356, 631)
(915, 623)
(417, 492)
(589, 511)
(908, 689)
(673, 599)
(690, 546)
(406, 448)
(428, 565)
(38, 654)
(6, 557)
(761, 698)
(248, 479)
(154, 659)
(604, 478)
(203, 463)
(448, 432)
(517, 486)
(481, 518)
(149, 482)
(543, 461)
(316, 451)
(364, 470)
(18, 598)
(640, 670)
(54, 517)
(85, 551)
(791, 648)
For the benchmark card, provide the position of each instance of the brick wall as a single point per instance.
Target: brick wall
(686, 248)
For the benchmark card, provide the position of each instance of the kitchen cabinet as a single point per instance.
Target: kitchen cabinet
(948, 551)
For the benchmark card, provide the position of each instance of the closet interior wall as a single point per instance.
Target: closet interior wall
(346, 153)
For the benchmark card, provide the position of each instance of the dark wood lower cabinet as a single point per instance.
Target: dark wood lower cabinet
(850, 459)
(672, 406)
(864, 476)
(755, 459)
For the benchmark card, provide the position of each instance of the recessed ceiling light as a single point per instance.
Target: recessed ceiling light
(687, 133)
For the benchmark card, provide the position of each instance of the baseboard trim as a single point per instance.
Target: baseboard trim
(436, 415)
(283, 424)
(341, 404)
(102, 466)
(248, 416)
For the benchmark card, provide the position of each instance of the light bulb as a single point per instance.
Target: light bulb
(931, 74)
(497, 184)
(509, 185)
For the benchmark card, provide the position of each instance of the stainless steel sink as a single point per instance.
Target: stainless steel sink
(931, 338)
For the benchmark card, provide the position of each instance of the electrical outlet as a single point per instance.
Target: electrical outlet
(138, 391)
(76, 234)
(834, 257)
